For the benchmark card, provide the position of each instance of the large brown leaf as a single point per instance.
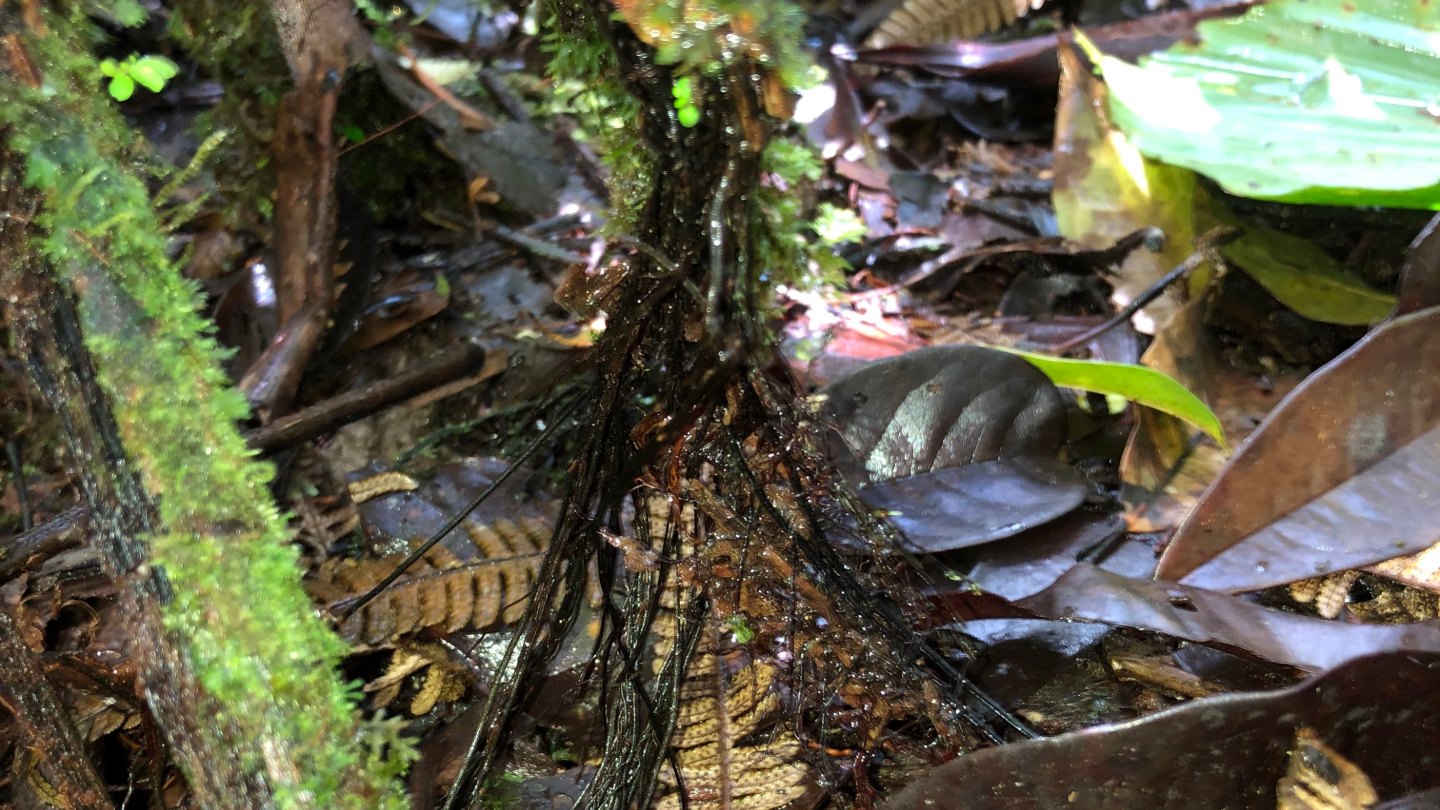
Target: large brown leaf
(942, 407)
(1089, 593)
(1381, 713)
(1380, 395)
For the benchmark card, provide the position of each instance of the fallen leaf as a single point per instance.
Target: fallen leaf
(1140, 384)
(1194, 614)
(977, 503)
(1420, 275)
(1300, 275)
(1374, 399)
(1104, 190)
(940, 407)
(1228, 751)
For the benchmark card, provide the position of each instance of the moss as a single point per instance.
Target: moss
(584, 70)
(257, 645)
(236, 44)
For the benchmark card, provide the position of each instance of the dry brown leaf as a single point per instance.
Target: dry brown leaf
(383, 484)
(1320, 779)
(440, 591)
(924, 22)
(716, 768)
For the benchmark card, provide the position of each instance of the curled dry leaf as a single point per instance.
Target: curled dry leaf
(443, 592)
(1089, 593)
(1226, 751)
(942, 407)
(921, 22)
(977, 503)
(1339, 475)
(1319, 777)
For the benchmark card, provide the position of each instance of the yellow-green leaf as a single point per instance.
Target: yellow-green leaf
(1139, 384)
(1300, 275)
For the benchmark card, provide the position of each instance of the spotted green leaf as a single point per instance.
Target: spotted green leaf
(1319, 101)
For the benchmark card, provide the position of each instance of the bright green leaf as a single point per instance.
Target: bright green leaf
(145, 74)
(109, 67)
(835, 225)
(683, 91)
(689, 116)
(162, 65)
(1139, 384)
(1302, 276)
(352, 133)
(122, 87)
(1320, 101)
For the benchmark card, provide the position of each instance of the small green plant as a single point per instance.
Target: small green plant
(836, 226)
(686, 109)
(740, 629)
(150, 72)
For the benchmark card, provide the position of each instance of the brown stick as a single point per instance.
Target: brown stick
(25, 551)
(55, 749)
(353, 405)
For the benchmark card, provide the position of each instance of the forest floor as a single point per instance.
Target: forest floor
(1235, 613)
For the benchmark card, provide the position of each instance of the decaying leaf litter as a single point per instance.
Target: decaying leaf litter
(591, 539)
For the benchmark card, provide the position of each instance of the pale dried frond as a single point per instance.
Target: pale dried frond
(1320, 779)
(383, 484)
(718, 710)
(926, 22)
(439, 591)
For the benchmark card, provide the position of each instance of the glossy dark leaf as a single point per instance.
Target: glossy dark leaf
(1377, 397)
(1387, 511)
(1030, 562)
(1089, 593)
(977, 503)
(1032, 61)
(1382, 713)
(941, 407)
(1420, 276)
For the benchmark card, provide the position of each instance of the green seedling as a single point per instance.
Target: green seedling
(686, 109)
(150, 72)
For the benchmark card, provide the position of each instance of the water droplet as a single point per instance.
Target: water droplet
(1261, 567)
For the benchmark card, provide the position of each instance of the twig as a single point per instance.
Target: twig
(539, 247)
(387, 130)
(24, 551)
(22, 492)
(55, 751)
(455, 520)
(1205, 248)
(353, 405)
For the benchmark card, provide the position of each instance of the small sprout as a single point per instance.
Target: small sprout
(352, 133)
(150, 72)
(686, 110)
(836, 226)
(739, 629)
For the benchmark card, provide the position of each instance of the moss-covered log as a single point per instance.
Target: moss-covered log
(244, 678)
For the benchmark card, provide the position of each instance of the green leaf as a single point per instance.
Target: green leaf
(1319, 101)
(1302, 276)
(835, 226)
(352, 133)
(162, 65)
(689, 116)
(109, 67)
(683, 91)
(145, 72)
(1139, 384)
(122, 87)
(129, 13)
